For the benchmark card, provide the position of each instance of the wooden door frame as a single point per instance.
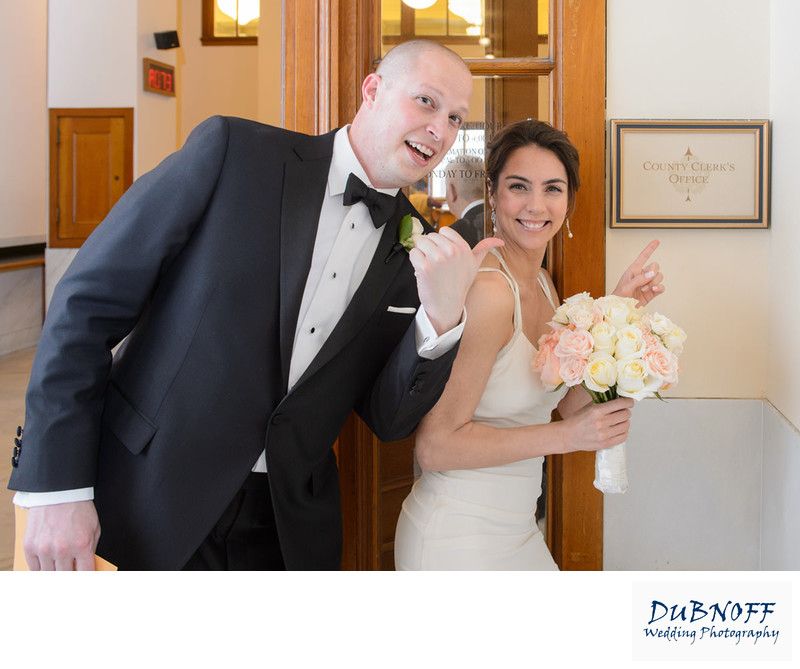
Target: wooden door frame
(329, 47)
(575, 507)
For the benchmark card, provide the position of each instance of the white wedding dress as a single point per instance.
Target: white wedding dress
(485, 519)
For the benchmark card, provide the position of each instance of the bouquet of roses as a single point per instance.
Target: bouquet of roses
(611, 348)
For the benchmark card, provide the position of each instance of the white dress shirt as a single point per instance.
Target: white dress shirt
(345, 243)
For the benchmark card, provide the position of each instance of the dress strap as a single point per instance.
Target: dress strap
(541, 278)
(546, 290)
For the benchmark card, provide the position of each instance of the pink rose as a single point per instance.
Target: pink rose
(572, 369)
(574, 343)
(551, 338)
(546, 362)
(651, 341)
(660, 362)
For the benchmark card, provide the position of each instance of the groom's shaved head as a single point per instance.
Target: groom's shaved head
(411, 109)
(404, 56)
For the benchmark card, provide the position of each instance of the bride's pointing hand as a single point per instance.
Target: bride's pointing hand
(641, 281)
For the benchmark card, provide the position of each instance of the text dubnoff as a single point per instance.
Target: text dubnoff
(696, 622)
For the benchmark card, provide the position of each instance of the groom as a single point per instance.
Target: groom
(257, 280)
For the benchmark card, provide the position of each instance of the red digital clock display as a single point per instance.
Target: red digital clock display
(159, 77)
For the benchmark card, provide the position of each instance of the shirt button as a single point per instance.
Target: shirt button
(333, 276)
(313, 330)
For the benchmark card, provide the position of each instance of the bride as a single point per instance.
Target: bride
(482, 446)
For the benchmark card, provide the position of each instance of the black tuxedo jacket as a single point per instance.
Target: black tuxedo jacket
(202, 266)
(471, 226)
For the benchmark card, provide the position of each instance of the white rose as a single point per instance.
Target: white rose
(416, 226)
(580, 316)
(583, 299)
(560, 316)
(659, 324)
(674, 339)
(617, 310)
(637, 318)
(630, 343)
(601, 372)
(604, 335)
(633, 379)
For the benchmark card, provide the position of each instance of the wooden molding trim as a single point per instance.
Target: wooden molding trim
(575, 508)
(509, 66)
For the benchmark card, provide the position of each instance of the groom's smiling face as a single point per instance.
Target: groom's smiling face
(413, 117)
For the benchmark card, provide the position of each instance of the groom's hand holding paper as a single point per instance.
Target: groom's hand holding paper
(48, 553)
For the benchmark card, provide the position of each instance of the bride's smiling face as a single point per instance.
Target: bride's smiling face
(531, 197)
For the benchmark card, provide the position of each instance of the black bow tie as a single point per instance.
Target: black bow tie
(381, 206)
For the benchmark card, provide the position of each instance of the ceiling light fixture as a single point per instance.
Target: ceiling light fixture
(420, 4)
(243, 11)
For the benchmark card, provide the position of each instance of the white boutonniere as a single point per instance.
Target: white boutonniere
(409, 226)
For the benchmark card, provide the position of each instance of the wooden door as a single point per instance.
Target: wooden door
(91, 166)
(329, 48)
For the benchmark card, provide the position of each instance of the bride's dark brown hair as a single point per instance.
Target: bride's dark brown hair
(524, 133)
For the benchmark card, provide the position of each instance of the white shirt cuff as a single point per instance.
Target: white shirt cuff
(29, 499)
(430, 345)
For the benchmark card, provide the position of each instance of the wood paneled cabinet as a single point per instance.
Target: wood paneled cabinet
(91, 166)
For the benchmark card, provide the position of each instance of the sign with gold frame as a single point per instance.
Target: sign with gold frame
(690, 174)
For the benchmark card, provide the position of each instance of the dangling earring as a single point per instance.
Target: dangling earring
(494, 222)
(569, 232)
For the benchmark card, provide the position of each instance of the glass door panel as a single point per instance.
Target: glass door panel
(472, 28)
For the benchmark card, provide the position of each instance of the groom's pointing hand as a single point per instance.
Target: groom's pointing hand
(445, 267)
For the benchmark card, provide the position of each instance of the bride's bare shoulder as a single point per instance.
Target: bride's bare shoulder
(491, 294)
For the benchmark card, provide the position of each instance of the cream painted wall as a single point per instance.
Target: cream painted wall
(23, 123)
(703, 59)
(91, 53)
(156, 128)
(710, 469)
(783, 379)
(213, 79)
(270, 55)
(96, 36)
(109, 39)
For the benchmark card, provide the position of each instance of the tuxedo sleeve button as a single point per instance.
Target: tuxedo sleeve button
(17, 449)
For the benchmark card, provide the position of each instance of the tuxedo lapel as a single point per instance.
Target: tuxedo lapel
(376, 282)
(305, 180)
